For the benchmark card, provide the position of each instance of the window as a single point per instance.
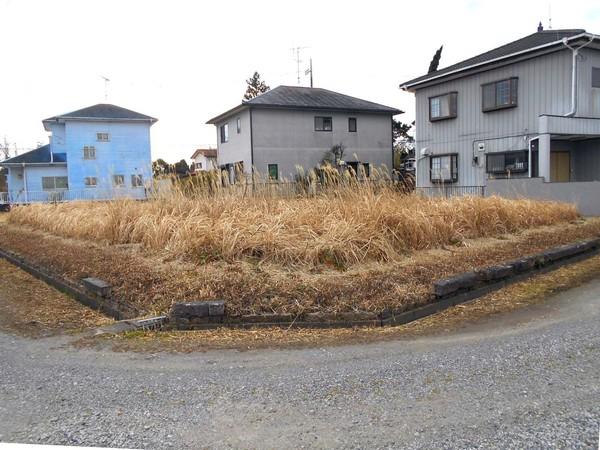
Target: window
(359, 169)
(90, 182)
(323, 124)
(102, 137)
(118, 180)
(54, 183)
(596, 77)
(137, 181)
(273, 172)
(239, 125)
(198, 165)
(442, 107)
(499, 94)
(507, 162)
(352, 124)
(225, 133)
(444, 168)
(89, 152)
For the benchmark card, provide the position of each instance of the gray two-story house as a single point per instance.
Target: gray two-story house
(290, 127)
(521, 120)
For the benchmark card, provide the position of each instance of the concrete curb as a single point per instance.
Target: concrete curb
(116, 309)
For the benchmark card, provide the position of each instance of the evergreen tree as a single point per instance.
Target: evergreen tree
(435, 62)
(255, 87)
(182, 167)
(160, 167)
(404, 142)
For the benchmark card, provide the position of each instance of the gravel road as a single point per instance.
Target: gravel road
(525, 380)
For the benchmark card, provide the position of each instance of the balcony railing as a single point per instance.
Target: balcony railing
(448, 191)
(66, 195)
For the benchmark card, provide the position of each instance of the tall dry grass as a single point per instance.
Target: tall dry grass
(341, 227)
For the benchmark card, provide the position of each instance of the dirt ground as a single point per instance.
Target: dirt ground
(30, 307)
(488, 308)
(152, 282)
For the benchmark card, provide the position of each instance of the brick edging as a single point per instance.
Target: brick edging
(118, 310)
(463, 288)
(459, 289)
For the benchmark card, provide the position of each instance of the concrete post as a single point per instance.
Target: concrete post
(544, 141)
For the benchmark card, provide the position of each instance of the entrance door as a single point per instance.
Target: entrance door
(560, 166)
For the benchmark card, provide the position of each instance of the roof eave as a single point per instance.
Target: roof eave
(410, 86)
(21, 164)
(228, 113)
(390, 111)
(60, 119)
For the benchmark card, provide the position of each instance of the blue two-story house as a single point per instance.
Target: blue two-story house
(96, 153)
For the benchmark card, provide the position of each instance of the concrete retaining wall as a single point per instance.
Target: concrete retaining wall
(586, 195)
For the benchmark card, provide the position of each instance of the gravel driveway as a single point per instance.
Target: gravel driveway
(525, 380)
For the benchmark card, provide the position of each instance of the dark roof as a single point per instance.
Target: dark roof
(103, 111)
(296, 97)
(316, 98)
(40, 155)
(521, 45)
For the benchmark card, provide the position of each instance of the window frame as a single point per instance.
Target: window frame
(452, 106)
(224, 132)
(54, 187)
(88, 148)
(118, 185)
(238, 124)
(102, 136)
(269, 167)
(595, 77)
(513, 94)
(134, 180)
(324, 129)
(524, 169)
(350, 121)
(453, 176)
(90, 185)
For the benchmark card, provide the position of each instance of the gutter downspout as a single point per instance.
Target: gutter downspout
(574, 73)
(251, 149)
(25, 184)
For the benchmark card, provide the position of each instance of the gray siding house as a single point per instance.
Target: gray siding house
(289, 127)
(520, 120)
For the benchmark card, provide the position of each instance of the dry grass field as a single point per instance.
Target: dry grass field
(362, 249)
(342, 229)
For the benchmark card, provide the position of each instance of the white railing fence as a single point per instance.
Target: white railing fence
(65, 195)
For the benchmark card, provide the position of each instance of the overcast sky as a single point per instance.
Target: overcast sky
(186, 61)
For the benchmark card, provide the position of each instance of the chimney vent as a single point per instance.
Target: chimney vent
(540, 27)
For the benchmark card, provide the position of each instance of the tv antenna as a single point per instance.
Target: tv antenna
(549, 15)
(106, 81)
(296, 51)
